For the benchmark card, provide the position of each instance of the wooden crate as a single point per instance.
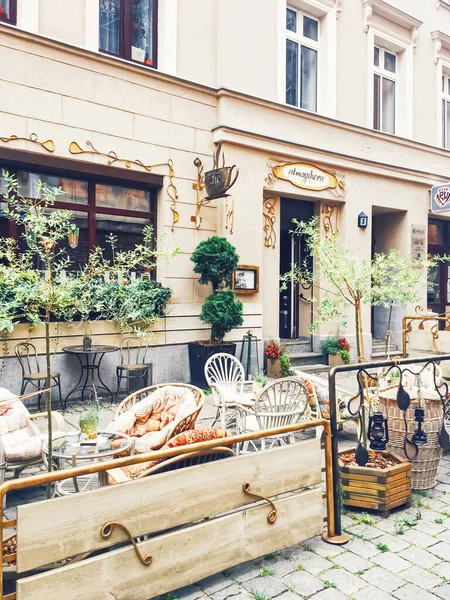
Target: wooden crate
(377, 489)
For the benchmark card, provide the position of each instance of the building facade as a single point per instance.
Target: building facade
(353, 94)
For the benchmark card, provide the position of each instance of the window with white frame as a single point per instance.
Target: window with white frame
(446, 111)
(302, 53)
(384, 89)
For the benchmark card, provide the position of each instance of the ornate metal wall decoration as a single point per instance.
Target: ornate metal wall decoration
(172, 192)
(269, 222)
(48, 145)
(306, 176)
(217, 182)
(330, 219)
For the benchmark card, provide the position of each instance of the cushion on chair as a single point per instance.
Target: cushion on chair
(191, 436)
(17, 434)
(151, 419)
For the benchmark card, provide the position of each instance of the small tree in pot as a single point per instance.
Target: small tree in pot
(215, 261)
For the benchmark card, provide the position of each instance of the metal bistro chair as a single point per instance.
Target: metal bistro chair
(133, 370)
(31, 372)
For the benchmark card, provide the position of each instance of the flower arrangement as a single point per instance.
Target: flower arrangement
(273, 350)
(337, 346)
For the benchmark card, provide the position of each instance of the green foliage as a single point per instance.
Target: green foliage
(362, 518)
(223, 313)
(261, 378)
(258, 595)
(383, 547)
(215, 261)
(91, 413)
(330, 345)
(439, 521)
(285, 365)
(329, 584)
(401, 523)
(266, 572)
(345, 355)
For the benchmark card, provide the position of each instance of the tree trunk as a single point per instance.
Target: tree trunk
(359, 331)
(388, 336)
(48, 397)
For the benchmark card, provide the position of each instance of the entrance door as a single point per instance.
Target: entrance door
(293, 251)
(438, 295)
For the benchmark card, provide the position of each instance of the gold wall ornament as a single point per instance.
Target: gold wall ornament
(330, 219)
(48, 145)
(172, 192)
(229, 213)
(306, 176)
(269, 222)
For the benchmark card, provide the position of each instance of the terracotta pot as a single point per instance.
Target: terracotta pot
(335, 360)
(274, 368)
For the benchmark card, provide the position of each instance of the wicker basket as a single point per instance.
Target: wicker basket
(424, 466)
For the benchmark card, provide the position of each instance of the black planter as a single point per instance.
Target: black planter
(199, 354)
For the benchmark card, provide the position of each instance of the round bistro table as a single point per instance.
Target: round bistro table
(90, 361)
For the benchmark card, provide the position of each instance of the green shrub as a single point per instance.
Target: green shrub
(223, 313)
(285, 365)
(330, 345)
(215, 261)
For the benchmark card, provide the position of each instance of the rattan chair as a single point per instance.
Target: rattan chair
(31, 373)
(133, 368)
(188, 422)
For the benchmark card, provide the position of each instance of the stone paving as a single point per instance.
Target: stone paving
(404, 556)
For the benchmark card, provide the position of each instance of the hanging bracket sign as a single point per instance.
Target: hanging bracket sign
(440, 198)
(305, 176)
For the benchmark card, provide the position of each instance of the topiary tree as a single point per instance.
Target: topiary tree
(215, 261)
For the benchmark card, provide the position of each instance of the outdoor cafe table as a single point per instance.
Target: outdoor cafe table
(90, 377)
(65, 452)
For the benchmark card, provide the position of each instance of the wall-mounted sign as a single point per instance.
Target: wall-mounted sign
(418, 242)
(305, 176)
(440, 197)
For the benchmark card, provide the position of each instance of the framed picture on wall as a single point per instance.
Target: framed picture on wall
(245, 280)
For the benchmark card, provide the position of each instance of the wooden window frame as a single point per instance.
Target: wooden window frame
(12, 19)
(125, 35)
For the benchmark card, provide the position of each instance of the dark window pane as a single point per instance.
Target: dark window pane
(110, 26)
(447, 123)
(433, 292)
(376, 56)
(142, 31)
(74, 190)
(310, 28)
(444, 128)
(78, 256)
(116, 196)
(376, 103)
(436, 232)
(308, 85)
(291, 73)
(390, 61)
(291, 20)
(128, 231)
(448, 86)
(5, 9)
(388, 118)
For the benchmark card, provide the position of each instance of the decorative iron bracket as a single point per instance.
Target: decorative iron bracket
(272, 516)
(200, 201)
(48, 145)
(107, 530)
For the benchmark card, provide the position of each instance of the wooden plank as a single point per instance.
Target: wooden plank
(361, 492)
(378, 473)
(349, 485)
(159, 502)
(382, 480)
(181, 557)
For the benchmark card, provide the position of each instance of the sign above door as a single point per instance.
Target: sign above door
(305, 176)
(440, 198)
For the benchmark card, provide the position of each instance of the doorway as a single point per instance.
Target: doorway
(295, 310)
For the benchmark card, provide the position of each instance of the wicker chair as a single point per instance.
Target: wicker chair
(188, 422)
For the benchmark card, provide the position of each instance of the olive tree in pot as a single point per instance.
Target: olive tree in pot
(215, 261)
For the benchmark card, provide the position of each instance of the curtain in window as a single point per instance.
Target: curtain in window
(291, 72)
(388, 95)
(110, 26)
(308, 79)
(142, 31)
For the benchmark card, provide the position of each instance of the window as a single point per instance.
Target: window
(446, 111)
(98, 208)
(385, 70)
(128, 28)
(8, 11)
(302, 50)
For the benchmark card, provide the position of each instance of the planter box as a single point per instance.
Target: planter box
(376, 489)
(335, 360)
(274, 368)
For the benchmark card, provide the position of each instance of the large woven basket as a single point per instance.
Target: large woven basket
(424, 466)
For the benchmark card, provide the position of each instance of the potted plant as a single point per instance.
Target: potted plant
(215, 260)
(89, 423)
(87, 340)
(337, 349)
(273, 354)
(259, 381)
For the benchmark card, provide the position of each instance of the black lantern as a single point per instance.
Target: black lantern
(363, 220)
(378, 431)
(419, 437)
(249, 354)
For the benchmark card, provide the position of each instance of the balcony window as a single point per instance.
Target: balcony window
(384, 90)
(128, 29)
(302, 50)
(8, 11)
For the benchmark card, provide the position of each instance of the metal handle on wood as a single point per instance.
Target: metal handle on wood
(272, 516)
(107, 530)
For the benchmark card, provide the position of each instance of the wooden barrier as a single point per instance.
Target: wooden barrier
(197, 521)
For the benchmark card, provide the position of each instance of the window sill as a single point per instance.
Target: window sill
(129, 61)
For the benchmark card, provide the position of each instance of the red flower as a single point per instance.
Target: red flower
(49, 245)
(343, 344)
(125, 282)
(273, 350)
(1, 10)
